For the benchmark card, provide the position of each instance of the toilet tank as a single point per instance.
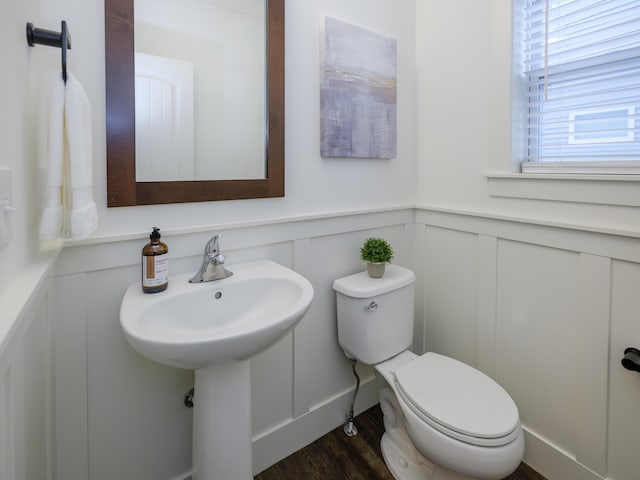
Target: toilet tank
(375, 315)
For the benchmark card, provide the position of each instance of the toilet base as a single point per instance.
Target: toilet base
(404, 461)
(401, 467)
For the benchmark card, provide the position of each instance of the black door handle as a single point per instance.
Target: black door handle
(631, 360)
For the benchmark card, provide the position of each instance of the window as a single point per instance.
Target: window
(609, 125)
(581, 69)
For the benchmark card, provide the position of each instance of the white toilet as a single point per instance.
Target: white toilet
(444, 420)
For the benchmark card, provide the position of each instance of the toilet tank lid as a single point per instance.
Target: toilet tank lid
(361, 285)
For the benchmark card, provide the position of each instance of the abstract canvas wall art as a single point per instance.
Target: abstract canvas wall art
(357, 92)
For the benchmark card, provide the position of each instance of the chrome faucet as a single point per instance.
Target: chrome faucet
(212, 267)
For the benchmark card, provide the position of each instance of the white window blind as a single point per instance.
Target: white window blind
(581, 64)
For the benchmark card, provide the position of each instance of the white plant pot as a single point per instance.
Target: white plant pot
(376, 270)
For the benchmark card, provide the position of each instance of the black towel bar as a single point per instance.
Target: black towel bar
(62, 39)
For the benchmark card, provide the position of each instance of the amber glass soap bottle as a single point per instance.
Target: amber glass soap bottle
(155, 264)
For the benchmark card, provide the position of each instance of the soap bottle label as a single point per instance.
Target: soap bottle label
(155, 270)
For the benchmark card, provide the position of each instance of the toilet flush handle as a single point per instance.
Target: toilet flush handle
(371, 307)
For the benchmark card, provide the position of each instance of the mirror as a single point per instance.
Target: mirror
(200, 98)
(235, 178)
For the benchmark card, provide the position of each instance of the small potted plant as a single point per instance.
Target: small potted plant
(376, 252)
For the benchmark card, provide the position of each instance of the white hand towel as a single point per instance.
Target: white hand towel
(51, 221)
(69, 209)
(84, 215)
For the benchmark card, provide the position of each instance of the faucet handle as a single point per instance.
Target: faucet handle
(212, 247)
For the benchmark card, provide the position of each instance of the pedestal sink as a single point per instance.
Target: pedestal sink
(214, 328)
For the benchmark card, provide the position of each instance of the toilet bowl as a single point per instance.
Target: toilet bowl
(455, 416)
(444, 420)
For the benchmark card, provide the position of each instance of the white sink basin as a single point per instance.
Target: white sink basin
(195, 325)
(213, 328)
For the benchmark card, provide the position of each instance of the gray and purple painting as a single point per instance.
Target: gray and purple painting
(357, 92)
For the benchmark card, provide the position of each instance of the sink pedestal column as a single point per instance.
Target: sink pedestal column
(222, 422)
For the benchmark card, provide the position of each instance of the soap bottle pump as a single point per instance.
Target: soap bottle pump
(155, 264)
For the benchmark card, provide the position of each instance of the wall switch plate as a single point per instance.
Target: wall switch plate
(6, 208)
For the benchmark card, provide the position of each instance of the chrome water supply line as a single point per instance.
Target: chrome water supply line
(350, 429)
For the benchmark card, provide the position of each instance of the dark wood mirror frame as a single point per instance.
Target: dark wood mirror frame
(122, 188)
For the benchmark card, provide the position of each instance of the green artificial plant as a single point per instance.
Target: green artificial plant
(376, 250)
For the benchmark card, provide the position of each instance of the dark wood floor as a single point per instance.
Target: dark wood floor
(338, 457)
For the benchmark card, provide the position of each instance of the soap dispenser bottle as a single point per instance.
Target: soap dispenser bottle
(155, 264)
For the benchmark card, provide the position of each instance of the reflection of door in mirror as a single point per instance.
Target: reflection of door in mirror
(164, 119)
(224, 40)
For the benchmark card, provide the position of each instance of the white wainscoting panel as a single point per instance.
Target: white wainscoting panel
(70, 374)
(487, 298)
(624, 386)
(418, 264)
(303, 336)
(536, 331)
(36, 405)
(138, 425)
(546, 310)
(131, 419)
(556, 307)
(592, 361)
(25, 393)
(451, 293)
(7, 419)
(272, 388)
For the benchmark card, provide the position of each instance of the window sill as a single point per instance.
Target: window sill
(623, 190)
(628, 167)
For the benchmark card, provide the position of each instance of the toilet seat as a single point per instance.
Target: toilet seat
(458, 400)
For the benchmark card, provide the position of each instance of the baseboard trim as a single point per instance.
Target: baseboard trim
(552, 462)
(289, 437)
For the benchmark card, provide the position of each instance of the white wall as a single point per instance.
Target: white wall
(84, 327)
(527, 278)
(463, 60)
(18, 130)
(120, 415)
(26, 385)
(26, 443)
(474, 240)
(313, 185)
